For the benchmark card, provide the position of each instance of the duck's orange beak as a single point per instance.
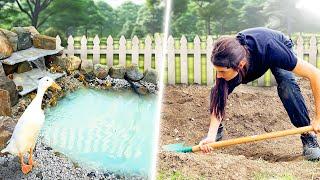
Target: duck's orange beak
(56, 86)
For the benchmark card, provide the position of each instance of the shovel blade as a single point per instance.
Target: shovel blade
(178, 147)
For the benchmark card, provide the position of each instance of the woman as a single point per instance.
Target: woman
(248, 56)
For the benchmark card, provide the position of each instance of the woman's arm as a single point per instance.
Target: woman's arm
(214, 126)
(211, 136)
(310, 72)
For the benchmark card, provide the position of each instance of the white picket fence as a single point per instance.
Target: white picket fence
(182, 51)
(122, 51)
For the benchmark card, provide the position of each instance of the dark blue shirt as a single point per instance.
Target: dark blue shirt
(268, 49)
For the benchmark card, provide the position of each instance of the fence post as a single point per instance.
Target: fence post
(135, 50)
(313, 50)
(58, 42)
(184, 59)
(70, 47)
(110, 51)
(209, 63)
(171, 61)
(197, 60)
(96, 50)
(158, 53)
(147, 53)
(300, 47)
(84, 49)
(122, 50)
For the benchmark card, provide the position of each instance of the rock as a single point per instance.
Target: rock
(89, 77)
(91, 174)
(60, 61)
(48, 148)
(12, 37)
(86, 66)
(7, 84)
(117, 72)
(24, 67)
(24, 38)
(10, 69)
(5, 46)
(39, 175)
(133, 72)
(19, 88)
(151, 76)
(44, 42)
(7, 125)
(73, 63)
(5, 105)
(142, 90)
(2, 73)
(32, 30)
(101, 71)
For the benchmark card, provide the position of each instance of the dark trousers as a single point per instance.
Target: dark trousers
(291, 97)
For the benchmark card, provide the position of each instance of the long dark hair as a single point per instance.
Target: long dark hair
(227, 52)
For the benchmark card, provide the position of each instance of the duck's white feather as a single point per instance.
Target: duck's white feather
(28, 127)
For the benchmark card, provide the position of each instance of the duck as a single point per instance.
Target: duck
(27, 129)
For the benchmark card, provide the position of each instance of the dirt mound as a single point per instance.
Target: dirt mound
(250, 111)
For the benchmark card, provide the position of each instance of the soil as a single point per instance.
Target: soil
(250, 111)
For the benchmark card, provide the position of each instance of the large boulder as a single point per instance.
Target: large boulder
(24, 67)
(12, 37)
(24, 38)
(44, 42)
(10, 86)
(133, 73)
(100, 71)
(59, 61)
(117, 72)
(5, 105)
(73, 63)
(150, 75)
(5, 46)
(86, 66)
(33, 31)
(7, 125)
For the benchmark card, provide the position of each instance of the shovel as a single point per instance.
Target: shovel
(185, 149)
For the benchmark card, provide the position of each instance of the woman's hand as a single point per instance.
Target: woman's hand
(203, 144)
(316, 125)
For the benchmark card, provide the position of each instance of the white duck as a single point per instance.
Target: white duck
(27, 129)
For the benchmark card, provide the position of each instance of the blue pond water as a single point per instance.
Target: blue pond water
(104, 130)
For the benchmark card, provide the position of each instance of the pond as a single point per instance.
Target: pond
(104, 130)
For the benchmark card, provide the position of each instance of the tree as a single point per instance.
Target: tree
(126, 18)
(5, 2)
(149, 21)
(251, 15)
(212, 11)
(33, 9)
(72, 19)
(108, 26)
(282, 14)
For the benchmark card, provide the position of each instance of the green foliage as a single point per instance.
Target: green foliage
(266, 176)
(172, 176)
(149, 21)
(188, 17)
(86, 17)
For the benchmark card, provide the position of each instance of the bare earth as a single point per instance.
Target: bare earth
(250, 111)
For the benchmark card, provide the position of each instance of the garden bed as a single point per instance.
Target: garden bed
(250, 111)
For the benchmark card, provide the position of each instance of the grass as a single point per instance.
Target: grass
(269, 176)
(176, 175)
